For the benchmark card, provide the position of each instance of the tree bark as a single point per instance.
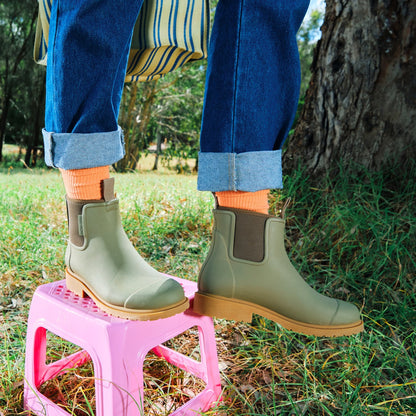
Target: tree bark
(3, 122)
(361, 104)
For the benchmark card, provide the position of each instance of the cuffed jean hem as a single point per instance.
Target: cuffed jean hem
(83, 150)
(248, 171)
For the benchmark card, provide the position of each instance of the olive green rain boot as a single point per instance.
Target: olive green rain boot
(247, 271)
(102, 263)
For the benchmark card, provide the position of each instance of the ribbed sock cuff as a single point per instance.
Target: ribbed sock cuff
(253, 201)
(85, 183)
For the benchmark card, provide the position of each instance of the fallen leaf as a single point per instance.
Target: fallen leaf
(246, 387)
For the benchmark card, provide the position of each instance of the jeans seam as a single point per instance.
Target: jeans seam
(234, 173)
(233, 127)
(230, 171)
(56, 3)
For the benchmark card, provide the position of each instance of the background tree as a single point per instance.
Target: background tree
(361, 104)
(135, 112)
(178, 115)
(19, 79)
(167, 110)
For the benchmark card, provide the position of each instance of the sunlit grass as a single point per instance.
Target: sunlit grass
(353, 238)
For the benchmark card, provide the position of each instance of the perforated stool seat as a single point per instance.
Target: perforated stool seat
(117, 348)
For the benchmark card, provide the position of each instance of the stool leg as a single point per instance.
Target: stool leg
(209, 356)
(206, 369)
(37, 352)
(34, 364)
(119, 383)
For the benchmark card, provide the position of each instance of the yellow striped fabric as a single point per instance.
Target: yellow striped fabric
(167, 34)
(42, 32)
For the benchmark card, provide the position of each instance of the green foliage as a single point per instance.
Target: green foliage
(135, 112)
(21, 81)
(170, 107)
(13, 160)
(179, 109)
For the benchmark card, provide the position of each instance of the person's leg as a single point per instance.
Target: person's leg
(86, 65)
(88, 49)
(252, 90)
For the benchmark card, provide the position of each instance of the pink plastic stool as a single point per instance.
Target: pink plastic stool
(117, 348)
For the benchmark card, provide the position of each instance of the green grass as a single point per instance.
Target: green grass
(353, 238)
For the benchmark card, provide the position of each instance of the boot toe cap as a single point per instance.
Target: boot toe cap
(158, 295)
(346, 313)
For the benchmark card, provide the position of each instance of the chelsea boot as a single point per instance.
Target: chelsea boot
(247, 271)
(103, 264)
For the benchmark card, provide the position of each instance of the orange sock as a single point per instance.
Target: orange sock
(252, 201)
(84, 183)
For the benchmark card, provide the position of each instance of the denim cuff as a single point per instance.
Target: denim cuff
(248, 171)
(82, 150)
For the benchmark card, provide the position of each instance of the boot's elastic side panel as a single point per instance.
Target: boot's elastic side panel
(249, 234)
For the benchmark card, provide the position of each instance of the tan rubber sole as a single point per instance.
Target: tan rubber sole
(74, 284)
(240, 310)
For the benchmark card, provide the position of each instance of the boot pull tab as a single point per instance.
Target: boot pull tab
(107, 188)
(80, 226)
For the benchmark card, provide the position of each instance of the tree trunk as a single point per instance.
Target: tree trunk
(135, 133)
(3, 122)
(129, 123)
(361, 103)
(158, 149)
(32, 145)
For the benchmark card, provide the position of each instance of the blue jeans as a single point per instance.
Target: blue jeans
(252, 88)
